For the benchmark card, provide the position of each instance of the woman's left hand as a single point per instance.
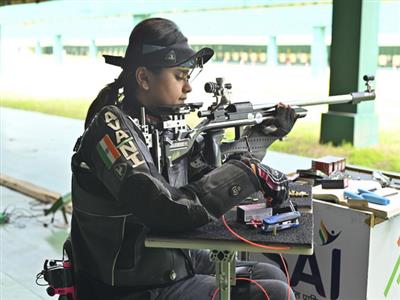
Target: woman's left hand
(282, 123)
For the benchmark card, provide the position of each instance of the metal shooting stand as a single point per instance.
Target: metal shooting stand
(225, 271)
(225, 260)
(213, 138)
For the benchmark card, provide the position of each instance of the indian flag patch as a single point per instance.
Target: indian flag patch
(107, 151)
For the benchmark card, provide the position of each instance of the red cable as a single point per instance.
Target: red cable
(261, 246)
(245, 279)
(214, 294)
(250, 242)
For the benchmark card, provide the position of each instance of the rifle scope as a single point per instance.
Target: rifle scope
(213, 87)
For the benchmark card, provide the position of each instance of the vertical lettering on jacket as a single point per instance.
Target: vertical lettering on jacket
(125, 142)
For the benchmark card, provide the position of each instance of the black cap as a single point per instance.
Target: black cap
(179, 54)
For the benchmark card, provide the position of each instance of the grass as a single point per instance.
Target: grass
(61, 107)
(303, 140)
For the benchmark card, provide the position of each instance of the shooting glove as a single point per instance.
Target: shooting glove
(282, 124)
(275, 184)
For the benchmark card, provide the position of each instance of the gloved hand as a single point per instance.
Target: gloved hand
(275, 184)
(282, 124)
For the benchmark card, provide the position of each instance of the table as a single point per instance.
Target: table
(356, 251)
(223, 245)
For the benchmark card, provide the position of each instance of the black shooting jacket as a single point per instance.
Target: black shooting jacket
(119, 197)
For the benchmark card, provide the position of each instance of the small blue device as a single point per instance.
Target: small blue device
(281, 221)
(367, 195)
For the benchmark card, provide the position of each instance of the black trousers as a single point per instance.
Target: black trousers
(202, 286)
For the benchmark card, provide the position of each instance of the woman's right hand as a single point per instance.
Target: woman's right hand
(275, 184)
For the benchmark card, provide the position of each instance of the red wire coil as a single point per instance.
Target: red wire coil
(260, 246)
(245, 279)
(250, 242)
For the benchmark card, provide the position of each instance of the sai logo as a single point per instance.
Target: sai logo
(327, 237)
(393, 275)
(314, 278)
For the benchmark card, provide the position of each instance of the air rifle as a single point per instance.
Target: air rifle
(168, 148)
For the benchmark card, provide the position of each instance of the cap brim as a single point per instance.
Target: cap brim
(198, 59)
(114, 60)
(185, 57)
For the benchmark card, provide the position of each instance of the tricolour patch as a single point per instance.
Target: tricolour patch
(107, 151)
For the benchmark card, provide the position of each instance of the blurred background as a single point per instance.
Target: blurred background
(51, 68)
(275, 50)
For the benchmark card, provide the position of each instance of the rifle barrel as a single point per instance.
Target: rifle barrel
(353, 98)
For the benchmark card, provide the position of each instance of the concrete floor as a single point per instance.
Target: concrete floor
(37, 148)
(25, 244)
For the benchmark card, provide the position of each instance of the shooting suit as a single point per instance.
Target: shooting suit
(119, 197)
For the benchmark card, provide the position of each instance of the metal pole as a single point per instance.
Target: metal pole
(225, 262)
(1, 50)
(38, 49)
(318, 51)
(272, 52)
(58, 49)
(92, 49)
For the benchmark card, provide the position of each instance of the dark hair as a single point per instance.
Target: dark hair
(153, 31)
